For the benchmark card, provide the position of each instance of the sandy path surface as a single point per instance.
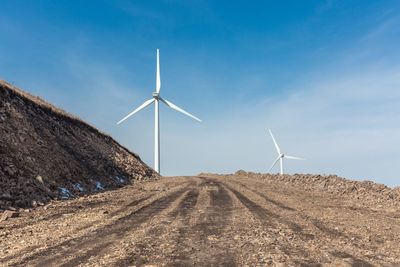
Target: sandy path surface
(204, 221)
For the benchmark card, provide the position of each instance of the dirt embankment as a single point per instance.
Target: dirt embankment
(46, 153)
(367, 192)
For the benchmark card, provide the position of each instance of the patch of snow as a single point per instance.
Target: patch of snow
(78, 186)
(98, 186)
(65, 193)
(120, 179)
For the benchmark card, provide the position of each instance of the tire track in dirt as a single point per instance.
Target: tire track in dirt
(200, 243)
(134, 203)
(272, 220)
(181, 248)
(96, 241)
(76, 210)
(186, 206)
(56, 215)
(266, 214)
(153, 234)
(332, 233)
(268, 199)
(70, 210)
(181, 212)
(316, 222)
(206, 238)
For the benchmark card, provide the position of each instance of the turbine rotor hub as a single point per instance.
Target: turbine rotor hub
(156, 95)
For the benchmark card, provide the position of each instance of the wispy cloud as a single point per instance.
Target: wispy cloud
(348, 126)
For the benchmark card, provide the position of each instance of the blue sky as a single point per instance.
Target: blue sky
(323, 75)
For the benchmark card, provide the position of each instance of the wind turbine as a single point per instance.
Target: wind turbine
(156, 99)
(281, 155)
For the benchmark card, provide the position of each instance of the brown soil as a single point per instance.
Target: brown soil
(46, 153)
(208, 220)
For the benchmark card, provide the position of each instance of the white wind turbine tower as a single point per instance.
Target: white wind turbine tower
(281, 155)
(156, 98)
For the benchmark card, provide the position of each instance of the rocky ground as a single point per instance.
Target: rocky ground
(46, 153)
(211, 220)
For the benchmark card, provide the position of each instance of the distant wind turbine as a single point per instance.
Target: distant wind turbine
(281, 155)
(156, 98)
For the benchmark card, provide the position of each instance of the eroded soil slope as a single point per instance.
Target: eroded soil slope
(47, 154)
(209, 220)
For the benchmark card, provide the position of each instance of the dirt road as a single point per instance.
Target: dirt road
(204, 221)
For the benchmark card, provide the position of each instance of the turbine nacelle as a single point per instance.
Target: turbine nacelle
(156, 95)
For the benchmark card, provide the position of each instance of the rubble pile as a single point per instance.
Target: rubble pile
(367, 191)
(46, 153)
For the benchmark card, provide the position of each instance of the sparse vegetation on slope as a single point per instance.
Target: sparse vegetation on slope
(46, 153)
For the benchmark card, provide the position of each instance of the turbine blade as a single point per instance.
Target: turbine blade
(274, 164)
(145, 104)
(173, 106)
(276, 145)
(158, 79)
(291, 157)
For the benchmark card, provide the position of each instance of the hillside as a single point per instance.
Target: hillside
(47, 154)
